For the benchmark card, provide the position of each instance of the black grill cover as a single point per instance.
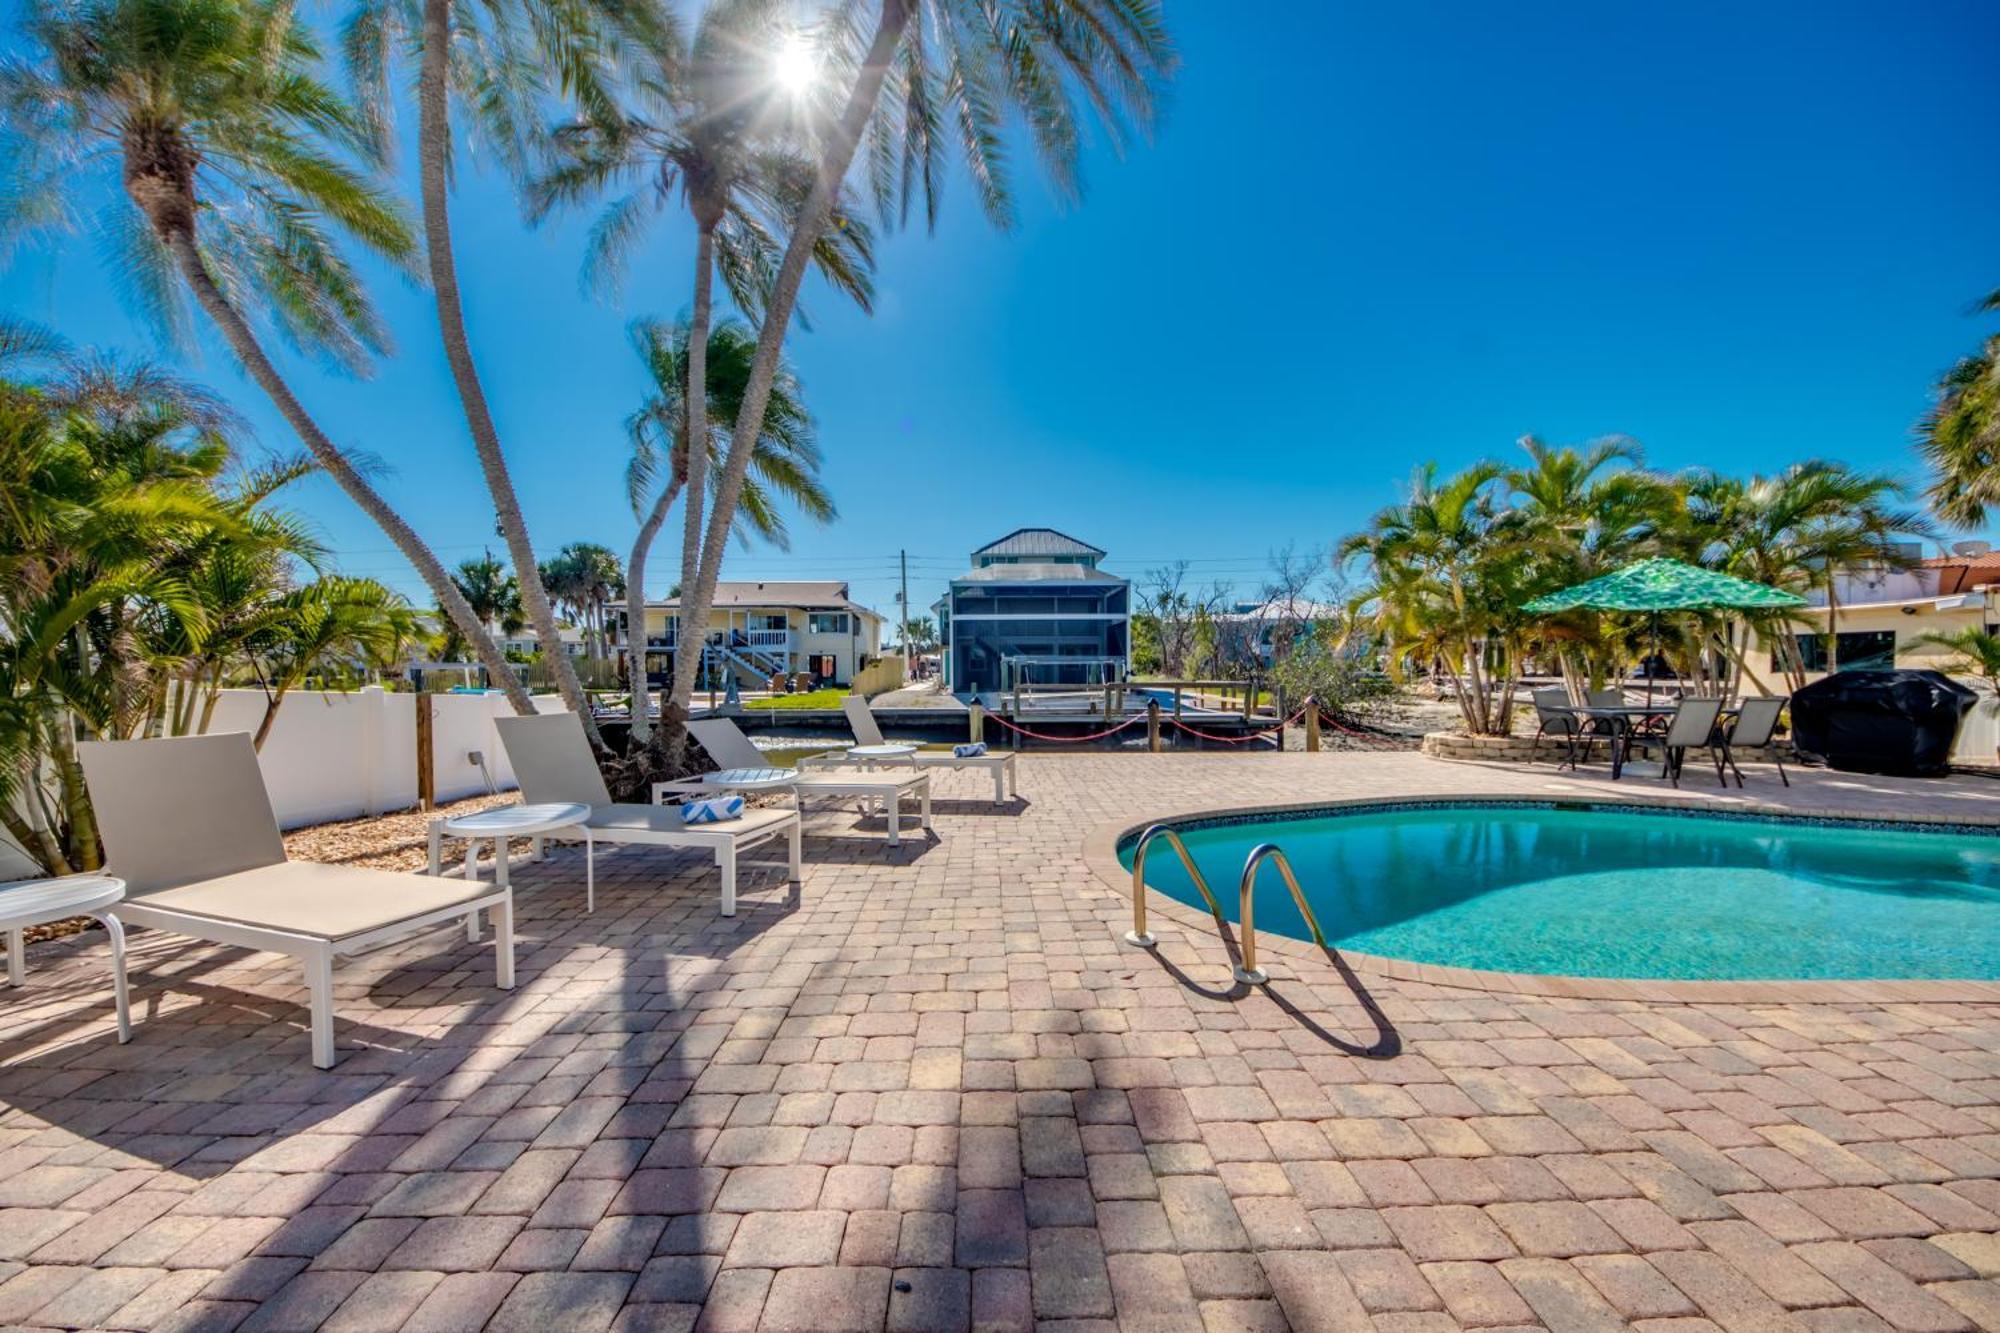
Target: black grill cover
(1895, 722)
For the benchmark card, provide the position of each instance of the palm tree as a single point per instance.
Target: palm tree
(238, 579)
(1976, 652)
(585, 577)
(1579, 513)
(235, 157)
(499, 60)
(1449, 577)
(786, 461)
(107, 479)
(333, 624)
(919, 635)
(1798, 529)
(709, 127)
(1960, 436)
(953, 68)
(492, 593)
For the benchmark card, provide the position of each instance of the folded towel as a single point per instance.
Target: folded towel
(972, 751)
(713, 810)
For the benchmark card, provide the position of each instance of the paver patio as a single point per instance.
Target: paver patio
(934, 1090)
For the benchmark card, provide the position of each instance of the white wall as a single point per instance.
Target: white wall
(339, 756)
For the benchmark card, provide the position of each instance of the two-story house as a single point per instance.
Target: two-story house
(759, 630)
(1035, 607)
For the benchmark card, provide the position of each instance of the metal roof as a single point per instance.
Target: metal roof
(1037, 542)
(1034, 573)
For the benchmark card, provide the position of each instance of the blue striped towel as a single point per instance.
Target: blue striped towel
(713, 810)
(972, 751)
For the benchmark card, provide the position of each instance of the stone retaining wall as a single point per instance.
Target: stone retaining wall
(1487, 749)
(1521, 749)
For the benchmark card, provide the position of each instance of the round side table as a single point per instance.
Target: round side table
(36, 902)
(498, 825)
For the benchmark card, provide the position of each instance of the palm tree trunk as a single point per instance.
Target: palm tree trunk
(236, 331)
(41, 841)
(433, 143)
(270, 718)
(635, 611)
(687, 657)
(836, 158)
(211, 696)
(85, 854)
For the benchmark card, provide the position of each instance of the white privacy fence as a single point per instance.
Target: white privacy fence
(339, 756)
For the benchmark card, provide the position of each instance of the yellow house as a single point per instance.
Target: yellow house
(1882, 616)
(759, 630)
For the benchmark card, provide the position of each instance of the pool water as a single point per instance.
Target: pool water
(1612, 892)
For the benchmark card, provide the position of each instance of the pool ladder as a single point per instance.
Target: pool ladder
(1248, 972)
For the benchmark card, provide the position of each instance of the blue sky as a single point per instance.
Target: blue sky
(1364, 237)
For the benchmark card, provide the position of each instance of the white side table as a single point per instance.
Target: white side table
(868, 756)
(35, 902)
(748, 779)
(498, 825)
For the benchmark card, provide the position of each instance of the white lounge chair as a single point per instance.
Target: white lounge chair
(552, 761)
(867, 731)
(188, 825)
(734, 753)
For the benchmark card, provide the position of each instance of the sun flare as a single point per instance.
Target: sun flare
(794, 65)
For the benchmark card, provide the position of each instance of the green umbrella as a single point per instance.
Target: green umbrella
(1665, 585)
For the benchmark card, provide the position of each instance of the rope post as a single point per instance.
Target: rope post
(1312, 724)
(1153, 725)
(1177, 703)
(1249, 697)
(976, 728)
(426, 775)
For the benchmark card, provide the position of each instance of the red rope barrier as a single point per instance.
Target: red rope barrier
(1064, 740)
(1278, 730)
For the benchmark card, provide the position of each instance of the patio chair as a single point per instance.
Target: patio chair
(187, 823)
(553, 763)
(1553, 718)
(734, 752)
(1693, 726)
(1755, 726)
(867, 731)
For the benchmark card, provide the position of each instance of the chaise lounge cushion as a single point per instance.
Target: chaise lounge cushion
(320, 901)
(667, 819)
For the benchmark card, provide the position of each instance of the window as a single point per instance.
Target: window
(1812, 651)
(1867, 650)
(827, 622)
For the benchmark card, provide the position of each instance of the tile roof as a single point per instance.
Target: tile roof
(1958, 573)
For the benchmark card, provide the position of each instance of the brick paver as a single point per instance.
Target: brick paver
(934, 1090)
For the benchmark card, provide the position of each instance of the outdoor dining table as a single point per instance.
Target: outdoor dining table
(1625, 718)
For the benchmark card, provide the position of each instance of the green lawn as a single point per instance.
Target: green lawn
(826, 698)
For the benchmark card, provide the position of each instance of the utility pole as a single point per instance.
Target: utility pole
(904, 597)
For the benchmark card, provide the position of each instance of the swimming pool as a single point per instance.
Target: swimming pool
(1616, 891)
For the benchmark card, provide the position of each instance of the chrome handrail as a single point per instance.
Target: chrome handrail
(1249, 973)
(1138, 934)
